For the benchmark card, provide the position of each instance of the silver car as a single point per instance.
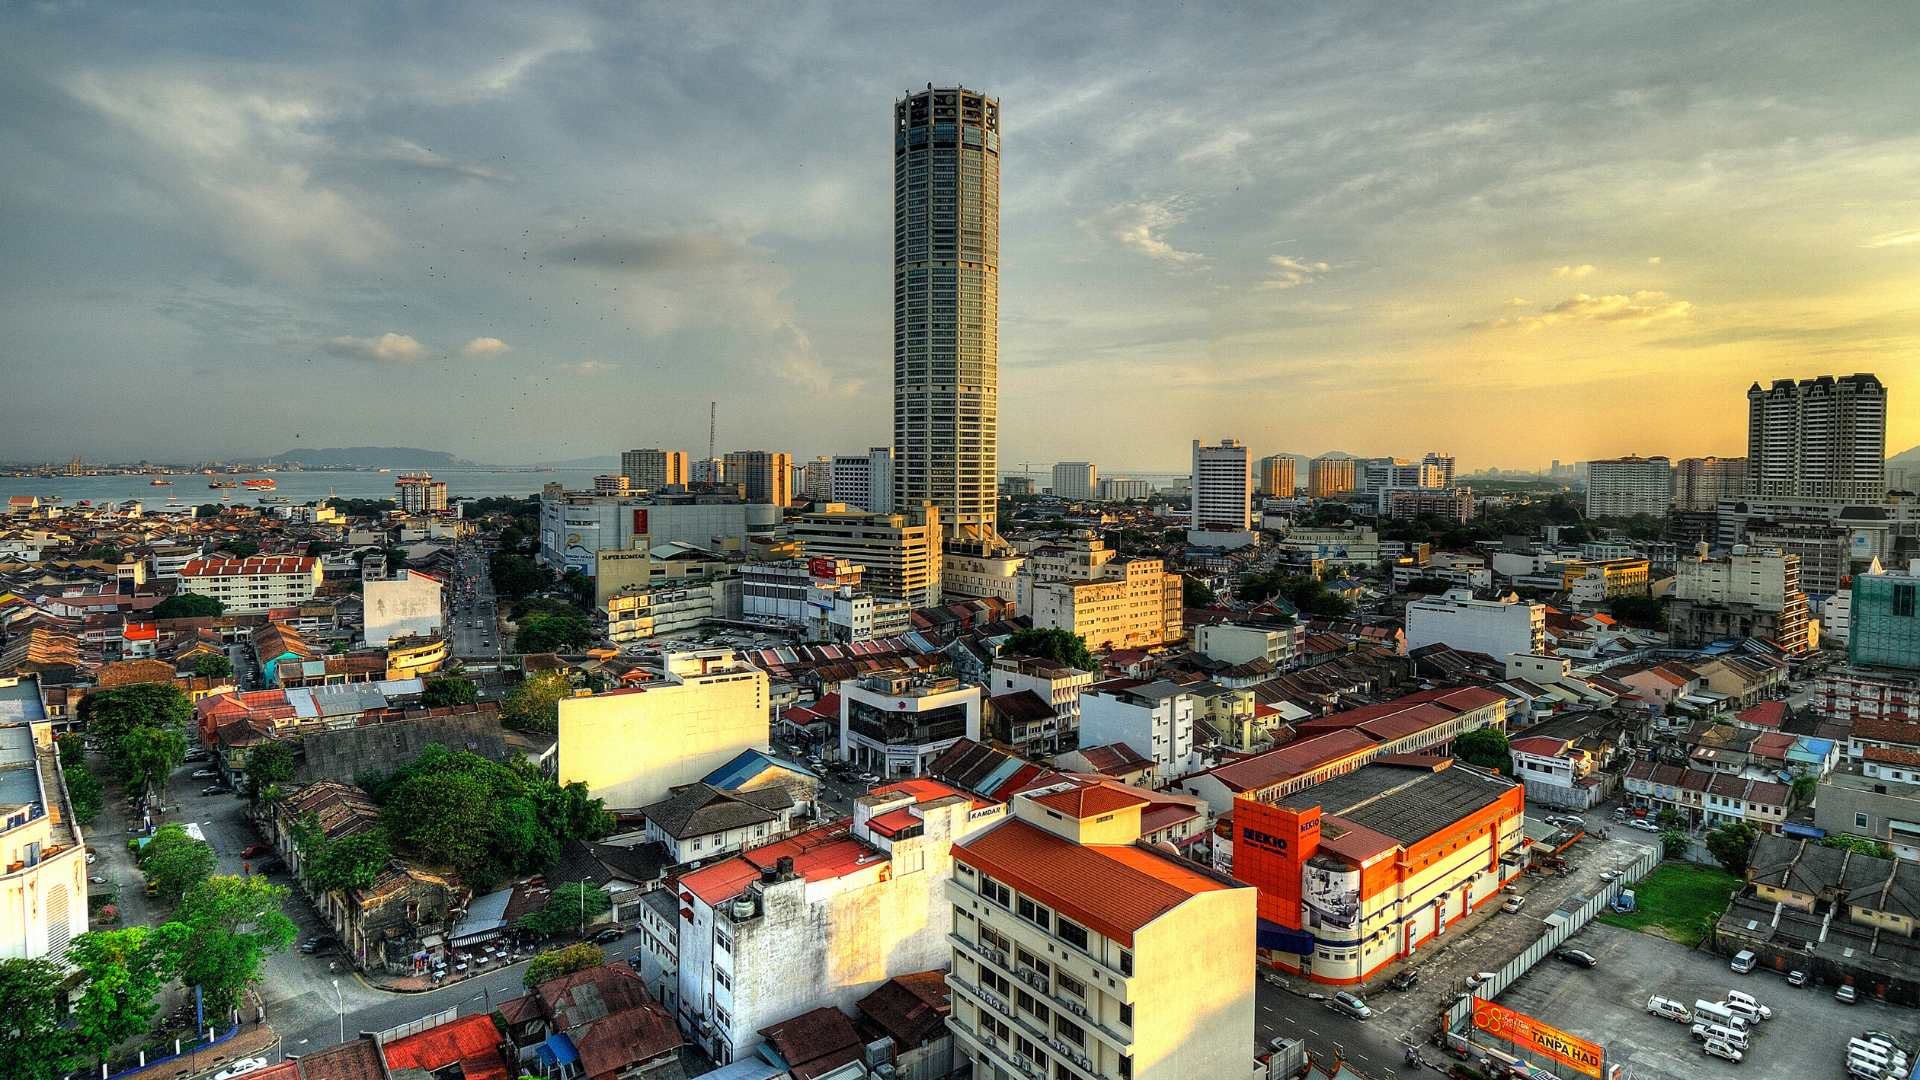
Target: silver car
(1346, 1003)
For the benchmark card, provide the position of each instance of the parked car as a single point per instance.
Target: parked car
(204, 774)
(1578, 956)
(611, 933)
(214, 789)
(1796, 978)
(1352, 1006)
(241, 1068)
(1720, 1048)
(1611, 875)
(271, 866)
(1743, 961)
(1406, 979)
(1846, 995)
(316, 943)
(255, 849)
(1480, 978)
(1513, 904)
(1643, 825)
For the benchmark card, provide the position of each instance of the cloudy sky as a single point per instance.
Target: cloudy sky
(540, 231)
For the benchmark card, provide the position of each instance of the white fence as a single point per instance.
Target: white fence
(1556, 935)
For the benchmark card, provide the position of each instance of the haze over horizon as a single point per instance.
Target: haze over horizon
(1516, 232)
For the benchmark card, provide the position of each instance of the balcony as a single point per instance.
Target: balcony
(1034, 982)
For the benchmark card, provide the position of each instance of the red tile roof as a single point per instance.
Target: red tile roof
(1891, 756)
(469, 1040)
(1539, 746)
(1767, 714)
(911, 1008)
(893, 821)
(1272, 766)
(1115, 890)
(1091, 800)
(818, 855)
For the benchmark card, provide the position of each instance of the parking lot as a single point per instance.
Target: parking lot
(1607, 1005)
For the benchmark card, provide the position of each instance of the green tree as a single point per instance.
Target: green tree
(1640, 611)
(534, 705)
(1674, 842)
(570, 811)
(1485, 747)
(1666, 818)
(1731, 846)
(1860, 845)
(146, 756)
(1051, 643)
(363, 507)
(268, 766)
(33, 1004)
(107, 715)
(442, 693)
(318, 548)
(1804, 789)
(176, 862)
(88, 797)
(351, 862)
(1427, 585)
(1195, 593)
(105, 553)
(120, 972)
(579, 585)
(571, 907)
(442, 818)
(234, 922)
(187, 606)
(515, 576)
(559, 962)
(241, 549)
(552, 633)
(206, 510)
(212, 666)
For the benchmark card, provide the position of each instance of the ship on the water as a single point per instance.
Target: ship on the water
(223, 484)
(257, 485)
(160, 483)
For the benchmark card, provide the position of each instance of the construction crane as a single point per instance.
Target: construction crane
(713, 410)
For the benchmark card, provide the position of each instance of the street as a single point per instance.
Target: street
(471, 613)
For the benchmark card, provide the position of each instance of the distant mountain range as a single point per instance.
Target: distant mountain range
(1909, 459)
(412, 457)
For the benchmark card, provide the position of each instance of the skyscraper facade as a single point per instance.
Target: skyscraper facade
(1276, 475)
(1222, 485)
(1700, 483)
(768, 476)
(1823, 438)
(1076, 480)
(653, 469)
(946, 307)
(1327, 477)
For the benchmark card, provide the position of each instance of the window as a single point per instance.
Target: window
(1126, 1066)
(963, 869)
(1071, 985)
(1028, 1003)
(995, 891)
(1035, 914)
(721, 978)
(1072, 933)
(720, 1014)
(1903, 600)
(1126, 1014)
(994, 939)
(1070, 1031)
(1126, 964)
(1860, 821)
(993, 980)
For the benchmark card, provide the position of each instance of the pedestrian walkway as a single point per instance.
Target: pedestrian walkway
(254, 1040)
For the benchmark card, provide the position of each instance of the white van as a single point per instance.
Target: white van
(1669, 1009)
(1743, 961)
(1745, 1003)
(1866, 1057)
(1715, 1013)
(1704, 1032)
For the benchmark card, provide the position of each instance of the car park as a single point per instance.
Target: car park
(1578, 956)
(1344, 1002)
(1741, 1001)
(1743, 961)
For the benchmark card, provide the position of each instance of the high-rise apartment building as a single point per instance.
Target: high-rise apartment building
(707, 471)
(1222, 485)
(1700, 483)
(420, 493)
(653, 469)
(1276, 475)
(865, 480)
(1823, 438)
(1329, 476)
(946, 306)
(816, 478)
(1444, 463)
(612, 484)
(1076, 480)
(767, 475)
(1623, 487)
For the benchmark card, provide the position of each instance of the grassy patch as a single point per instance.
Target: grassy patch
(1676, 901)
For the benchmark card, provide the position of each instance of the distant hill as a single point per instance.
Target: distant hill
(609, 462)
(1909, 459)
(376, 457)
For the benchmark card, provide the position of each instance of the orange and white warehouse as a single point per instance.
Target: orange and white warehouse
(1371, 866)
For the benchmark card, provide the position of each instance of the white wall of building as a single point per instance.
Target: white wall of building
(1160, 729)
(397, 607)
(1482, 626)
(632, 747)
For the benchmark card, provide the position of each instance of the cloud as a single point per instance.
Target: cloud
(588, 368)
(639, 253)
(1289, 271)
(1515, 302)
(486, 348)
(1140, 226)
(1570, 273)
(1640, 309)
(388, 348)
(1654, 261)
(1891, 239)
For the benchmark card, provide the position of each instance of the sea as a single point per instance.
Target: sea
(190, 489)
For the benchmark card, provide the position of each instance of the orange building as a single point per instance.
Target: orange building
(1366, 867)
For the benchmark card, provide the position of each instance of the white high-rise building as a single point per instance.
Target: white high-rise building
(1222, 485)
(1623, 487)
(1076, 480)
(864, 480)
(1823, 438)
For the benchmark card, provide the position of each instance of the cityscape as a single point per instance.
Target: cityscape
(595, 703)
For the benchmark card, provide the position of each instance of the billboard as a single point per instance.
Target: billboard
(824, 569)
(640, 521)
(1270, 846)
(1525, 1032)
(1330, 897)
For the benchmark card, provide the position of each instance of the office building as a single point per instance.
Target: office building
(1121, 489)
(45, 879)
(576, 526)
(977, 569)
(1495, 628)
(633, 746)
(1700, 483)
(767, 475)
(1329, 476)
(815, 479)
(1823, 438)
(646, 566)
(1623, 487)
(1361, 869)
(420, 493)
(707, 471)
(611, 484)
(1222, 486)
(653, 469)
(1232, 644)
(1382, 474)
(1081, 952)
(819, 597)
(895, 726)
(901, 552)
(1749, 593)
(1016, 485)
(1884, 620)
(1052, 690)
(1275, 476)
(666, 609)
(821, 918)
(1444, 464)
(1076, 480)
(946, 307)
(1125, 603)
(865, 480)
(255, 584)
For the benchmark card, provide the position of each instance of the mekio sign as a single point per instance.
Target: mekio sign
(1529, 1034)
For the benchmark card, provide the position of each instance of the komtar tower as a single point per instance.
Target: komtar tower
(946, 310)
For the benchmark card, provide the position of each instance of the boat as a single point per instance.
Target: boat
(159, 483)
(223, 484)
(257, 485)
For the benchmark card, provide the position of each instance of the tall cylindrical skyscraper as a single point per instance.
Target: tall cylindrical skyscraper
(946, 307)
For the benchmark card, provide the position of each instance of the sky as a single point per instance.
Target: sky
(1516, 232)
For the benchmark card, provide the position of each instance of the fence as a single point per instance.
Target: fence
(1556, 935)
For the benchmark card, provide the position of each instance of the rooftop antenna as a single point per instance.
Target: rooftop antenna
(712, 410)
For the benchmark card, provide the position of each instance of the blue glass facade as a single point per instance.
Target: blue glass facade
(1885, 628)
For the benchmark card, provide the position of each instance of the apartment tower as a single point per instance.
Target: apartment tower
(946, 307)
(1076, 480)
(1823, 438)
(1276, 476)
(1222, 486)
(1329, 476)
(653, 469)
(767, 475)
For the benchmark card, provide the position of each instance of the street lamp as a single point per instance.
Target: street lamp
(342, 1002)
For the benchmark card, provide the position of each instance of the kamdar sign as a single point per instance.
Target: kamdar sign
(1524, 1031)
